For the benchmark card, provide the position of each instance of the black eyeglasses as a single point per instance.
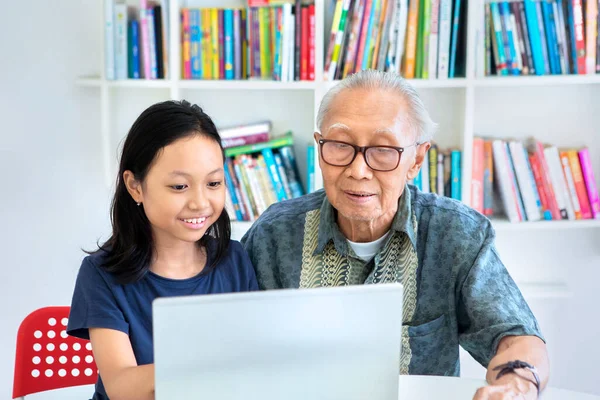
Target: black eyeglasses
(378, 158)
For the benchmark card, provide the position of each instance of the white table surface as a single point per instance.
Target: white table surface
(449, 388)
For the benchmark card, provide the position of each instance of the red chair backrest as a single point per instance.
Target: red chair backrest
(47, 358)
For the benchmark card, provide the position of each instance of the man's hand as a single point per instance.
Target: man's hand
(519, 384)
(511, 386)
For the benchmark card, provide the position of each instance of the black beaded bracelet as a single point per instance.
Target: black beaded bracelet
(517, 364)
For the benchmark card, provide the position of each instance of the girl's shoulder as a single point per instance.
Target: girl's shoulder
(92, 268)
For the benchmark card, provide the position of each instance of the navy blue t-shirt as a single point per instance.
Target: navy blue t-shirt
(100, 302)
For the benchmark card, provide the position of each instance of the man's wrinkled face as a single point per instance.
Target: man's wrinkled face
(364, 117)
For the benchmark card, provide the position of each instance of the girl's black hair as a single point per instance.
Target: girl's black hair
(129, 250)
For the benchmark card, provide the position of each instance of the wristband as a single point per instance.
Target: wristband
(517, 364)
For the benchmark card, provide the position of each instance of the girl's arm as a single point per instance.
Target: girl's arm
(122, 377)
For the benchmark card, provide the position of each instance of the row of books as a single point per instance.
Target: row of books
(259, 170)
(416, 38)
(539, 37)
(135, 40)
(533, 181)
(275, 42)
(441, 173)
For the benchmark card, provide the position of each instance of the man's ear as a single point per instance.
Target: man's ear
(317, 136)
(420, 158)
(134, 187)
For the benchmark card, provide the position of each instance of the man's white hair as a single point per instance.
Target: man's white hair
(418, 118)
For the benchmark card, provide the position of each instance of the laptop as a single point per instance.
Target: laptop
(292, 344)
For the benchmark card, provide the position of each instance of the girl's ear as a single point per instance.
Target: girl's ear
(134, 187)
(419, 159)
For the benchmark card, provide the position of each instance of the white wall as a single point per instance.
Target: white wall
(52, 200)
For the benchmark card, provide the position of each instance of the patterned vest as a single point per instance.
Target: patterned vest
(396, 263)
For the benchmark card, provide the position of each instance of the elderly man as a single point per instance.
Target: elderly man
(368, 226)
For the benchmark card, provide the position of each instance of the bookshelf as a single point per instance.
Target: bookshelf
(464, 107)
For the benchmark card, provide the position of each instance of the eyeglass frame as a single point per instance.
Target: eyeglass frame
(363, 149)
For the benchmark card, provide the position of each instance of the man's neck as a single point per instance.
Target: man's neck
(365, 231)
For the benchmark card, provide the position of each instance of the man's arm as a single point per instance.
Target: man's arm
(496, 325)
(529, 349)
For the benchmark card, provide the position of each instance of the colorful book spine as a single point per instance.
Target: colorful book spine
(229, 44)
(297, 39)
(508, 35)
(310, 168)
(425, 35)
(164, 12)
(501, 61)
(590, 182)
(507, 193)
(289, 161)
(277, 64)
(579, 28)
(159, 44)
(572, 192)
(541, 25)
(282, 175)
(311, 42)
(245, 140)
(206, 54)
(244, 51)
(534, 36)
(121, 53)
(591, 28)
(337, 43)
(522, 62)
(304, 46)
(433, 40)
(516, 193)
(522, 18)
(455, 175)
(454, 40)
(134, 50)
(558, 183)
(221, 24)
(152, 42)
(246, 195)
(445, 32)
(488, 178)
(477, 178)
(370, 39)
(109, 40)
(433, 151)
(550, 27)
(214, 49)
(561, 37)
(186, 51)
(232, 193)
(274, 177)
(410, 57)
(536, 170)
(579, 182)
(402, 29)
(237, 44)
(525, 181)
(286, 140)
(332, 36)
(195, 43)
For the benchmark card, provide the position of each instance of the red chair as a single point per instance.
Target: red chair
(47, 358)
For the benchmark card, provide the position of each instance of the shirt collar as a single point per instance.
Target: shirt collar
(329, 229)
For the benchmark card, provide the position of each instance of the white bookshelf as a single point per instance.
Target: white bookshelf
(515, 107)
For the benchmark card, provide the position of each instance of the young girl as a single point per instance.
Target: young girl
(170, 237)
